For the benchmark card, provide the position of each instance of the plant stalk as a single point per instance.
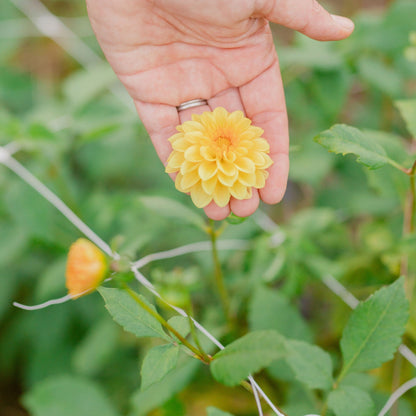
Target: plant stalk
(219, 277)
(165, 324)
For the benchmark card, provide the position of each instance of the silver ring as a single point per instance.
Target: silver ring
(191, 104)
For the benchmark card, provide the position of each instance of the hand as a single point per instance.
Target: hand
(167, 52)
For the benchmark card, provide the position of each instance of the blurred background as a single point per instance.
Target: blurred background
(76, 131)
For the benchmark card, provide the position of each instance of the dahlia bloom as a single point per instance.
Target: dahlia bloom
(218, 155)
(85, 269)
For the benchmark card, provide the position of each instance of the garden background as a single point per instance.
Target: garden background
(71, 124)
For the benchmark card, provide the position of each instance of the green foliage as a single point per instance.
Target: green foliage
(246, 356)
(349, 400)
(68, 396)
(374, 329)
(133, 318)
(338, 218)
(311, 365)
(345, 139)
(157, 363)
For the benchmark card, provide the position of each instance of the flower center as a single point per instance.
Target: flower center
(223, 142)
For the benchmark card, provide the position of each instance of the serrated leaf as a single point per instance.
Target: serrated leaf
(247, 355)
(407, 110)
(269, 309)
(213, 411)
(172, 209)
(311, 365)
(157, 363)
(345, 139)
(131, 316)
(181, 324)
(68, 396)
(349, 400)
(144, 401)
(374, 330)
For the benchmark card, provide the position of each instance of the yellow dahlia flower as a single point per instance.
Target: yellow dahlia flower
(218, 155)
(86, 267)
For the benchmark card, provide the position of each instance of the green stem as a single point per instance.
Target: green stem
(166, 324)
(219, 277)
(194, 335)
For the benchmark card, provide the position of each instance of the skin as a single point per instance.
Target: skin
(166, 52)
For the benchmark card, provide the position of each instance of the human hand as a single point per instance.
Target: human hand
(166, 52)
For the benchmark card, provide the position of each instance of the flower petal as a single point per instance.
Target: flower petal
(175, 160)
(188, 167)
(189, 180)
(227, 180)
(199, 197)
(207, 170)
(209, 185)
(192, 154)
(221, 195)
(208, 153)
(181, 144)
(261, 176)
(239, 191)
(248, 179)
(226, 167)
(245, 165)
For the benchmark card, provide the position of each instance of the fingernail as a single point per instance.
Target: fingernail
(343, 21)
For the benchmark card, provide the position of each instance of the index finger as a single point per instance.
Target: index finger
(264, 103)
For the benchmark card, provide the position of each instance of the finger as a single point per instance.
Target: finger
(264, 103)
(160, 121)
(229, 99)
(308, 17)
(246, 207)
(213, 211)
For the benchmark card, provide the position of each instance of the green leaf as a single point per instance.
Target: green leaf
(374, 329)
(235, 219)
(172, 209)
(181, 324)
(157, 363)
(311, 365)
(407, 110)
(94, 351)
(269, 309)
(146, 400)
(68, 396)
(247, 355)
(213, 411)
(348, 400)
(130, 315)
(345, 139)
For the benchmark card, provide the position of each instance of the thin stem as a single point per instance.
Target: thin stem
(219, 277)
(195, 335)
(166, 324)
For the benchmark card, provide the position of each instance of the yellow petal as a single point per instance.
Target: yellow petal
(230, 156)
(227, 180)
(239, 191)
(178, 181)
(209, 185)
(267, 161)
(199, 197)
(175, 137)
(261, 176)
(189, 180)
(191, 126)
(220, 114)
(221, 195)
(207, 170)
(175, 160)
(208, 153)
(192, 154)
(226, 167)
(245, 165)
(188, 167)
(258, 159)
(261, 145)
(181, 144)
(248, 179)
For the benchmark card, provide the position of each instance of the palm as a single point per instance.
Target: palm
(167, 52)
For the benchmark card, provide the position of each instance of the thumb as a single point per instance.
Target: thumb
(307, 17)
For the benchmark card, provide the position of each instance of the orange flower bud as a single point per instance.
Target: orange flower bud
(85, 269)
